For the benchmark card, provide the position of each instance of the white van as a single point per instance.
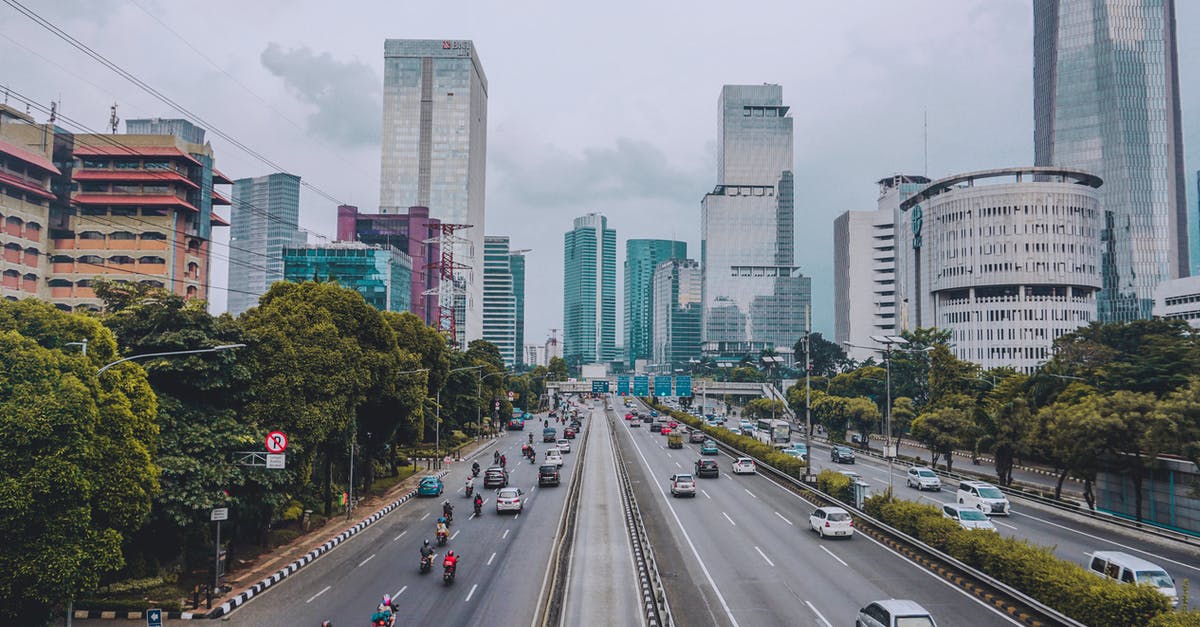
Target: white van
(1126, 568)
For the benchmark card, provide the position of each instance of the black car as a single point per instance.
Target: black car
(549, 434)
(548, 475)
(842, 455)
(495, 477)
(707, 468)
(656, 427)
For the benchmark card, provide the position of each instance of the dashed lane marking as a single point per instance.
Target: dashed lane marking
(749, 492)
(834, 556)
(782, 518)
(706, 494)
(764, 556)
(818, 613)
(360, 564)
(425, 516)
(489, 562)
(323, 591)
(729, 519)
(505, 534)
(400, 592)
(400, 536)
(471, 593)
(453, 536)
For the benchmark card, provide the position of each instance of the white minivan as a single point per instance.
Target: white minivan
(1127, 568)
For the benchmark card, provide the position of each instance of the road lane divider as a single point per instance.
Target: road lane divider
(764, 556)
(818, 613)
(782, 518)
(831, 554)
(729, 519)
(360, 564)
(400, 591)
(323, 591)
(749, 492)
(469, 594)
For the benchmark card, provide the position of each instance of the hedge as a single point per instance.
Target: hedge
(1036, 571)
(835, 484)
(748, 445)
(1187, 618)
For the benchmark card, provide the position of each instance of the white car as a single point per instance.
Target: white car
(967, 517)
(554, 456)
(683, 485)
(984, 497)
(508, 500)
(743, 465)
(831, 521)
(563, 445)
(894, 613)
(923, 478)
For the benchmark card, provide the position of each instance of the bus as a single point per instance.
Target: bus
(517, 422)
(774, 431)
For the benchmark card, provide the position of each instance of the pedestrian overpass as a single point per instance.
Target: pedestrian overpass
(702, 388)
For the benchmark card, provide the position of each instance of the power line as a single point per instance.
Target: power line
(84, 48)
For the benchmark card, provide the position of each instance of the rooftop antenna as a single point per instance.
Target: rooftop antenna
(926, 116)
(113, 121)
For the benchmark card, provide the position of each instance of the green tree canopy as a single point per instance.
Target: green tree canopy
(827, 358)
(1155, 355)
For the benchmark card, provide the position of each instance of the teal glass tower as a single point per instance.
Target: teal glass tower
(589, 292)
(499, 299)
(516, 263)
(1106, 100)
(382, 274)
(642, 256)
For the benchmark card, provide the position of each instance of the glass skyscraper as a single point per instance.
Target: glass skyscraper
(434, 146)
(1106, 100)
(642, 256)
(516, 259)
(380, 273)
(263, 219)
(589, 292)
(754, 296)
(677, 313)
(499, 299)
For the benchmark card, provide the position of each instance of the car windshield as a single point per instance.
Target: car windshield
(913, 621)
(838, 516)
(683, 478)
(971, 514)
(548, 468)
(926, 473)
(508, 494)
(428, 481)
(990, 493)
(1156, 578)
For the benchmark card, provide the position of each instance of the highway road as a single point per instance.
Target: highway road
(602, 585)
(1070, 538)
(741, 553)
(500, 576)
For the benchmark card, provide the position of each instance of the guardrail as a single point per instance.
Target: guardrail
(1013, 602)
(654, 599)
(549, 611)
(1064, 505)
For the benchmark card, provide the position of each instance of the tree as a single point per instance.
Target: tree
(76, 473)
(763, 408)
(863, 413)
(830, 411)
(558, 369)
(902, 415)
(1154, 355)
(418, 338)
(910, 367)
(943, 430)
(827, 358)
(950, 376)
(746, 374)
(1184, 405)
(1009, 421)
(867, 381)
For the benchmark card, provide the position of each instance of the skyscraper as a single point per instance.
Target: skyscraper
(263, 220)
(676, 318)
(516, 260)
(754, 296)
(499, 299)
(589, 292)
(434, 146)
(642, 256)
(1106, 100)
(382, 274)
(412, 232)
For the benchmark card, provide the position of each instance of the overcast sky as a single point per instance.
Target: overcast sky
(606, 107)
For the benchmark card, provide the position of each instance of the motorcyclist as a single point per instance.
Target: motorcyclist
(426, 550)
(531, 438)
(469, 487)
(442, 530)
(475, 466)
(451, 561)
(448, 511)
(495, 457)
(503, 461)
(478, 504)
(390, 604)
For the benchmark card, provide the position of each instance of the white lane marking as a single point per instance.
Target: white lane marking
(728, 477)
(678, 464)
(1131, 548)
(400, 536)
(456, 534)
(834, 556)
(366, 560)
(729, 519)
(471, 593)
(706, 494)
(764, 556)
(489, 562)
(400, 592)
(425, 516)
(782, 518)
(517, 516)
(948, 584)
(323, 591)
(505, 534)
(994, 521)
(688, 537)
(749, 492)
(819, 615)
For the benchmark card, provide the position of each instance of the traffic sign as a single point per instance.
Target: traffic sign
(276, 442)
(662, 385)
(276, 462)
(683, 386)
(623, 384)
(600, 386)
(220, 513)
(154, 618)
(641, 385)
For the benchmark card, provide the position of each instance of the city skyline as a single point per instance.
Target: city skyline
(638, 160)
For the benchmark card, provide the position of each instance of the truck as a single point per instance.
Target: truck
(675, 440)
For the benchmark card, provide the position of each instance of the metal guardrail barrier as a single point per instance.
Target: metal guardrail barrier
(550, 609)
(1013, 602)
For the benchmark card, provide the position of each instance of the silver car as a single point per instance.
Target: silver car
(894, 613)
(923, 478)
(967, 517)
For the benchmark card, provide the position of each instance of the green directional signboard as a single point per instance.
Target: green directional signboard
(662, 385)
(683, 386)
(623, 385)
(641, 385)
(600, 386)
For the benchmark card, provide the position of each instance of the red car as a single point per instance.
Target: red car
(673, 424)
(628, 416)
(666, 430)
(569, 433)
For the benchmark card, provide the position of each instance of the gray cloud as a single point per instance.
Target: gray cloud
(346, 94)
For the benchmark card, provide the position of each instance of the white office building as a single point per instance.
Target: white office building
(1179, 299)
(1008, 260)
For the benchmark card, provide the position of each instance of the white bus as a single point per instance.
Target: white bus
(774, 431)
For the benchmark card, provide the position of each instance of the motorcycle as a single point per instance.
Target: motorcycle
(478, 510)
(442, 536)
(470, 489)
(426, 563)
(475, 470)
(531, 458)
(448, 574)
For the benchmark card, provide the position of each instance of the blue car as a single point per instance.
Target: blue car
(430, 486)
(708, 448)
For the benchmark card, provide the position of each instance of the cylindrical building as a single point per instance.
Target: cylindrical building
(1007, 260)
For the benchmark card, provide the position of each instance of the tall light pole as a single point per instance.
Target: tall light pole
(171, 353)
(478, 406)
(888, 342)
(82, 344)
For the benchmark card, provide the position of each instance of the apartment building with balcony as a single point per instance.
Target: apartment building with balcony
(26, 174)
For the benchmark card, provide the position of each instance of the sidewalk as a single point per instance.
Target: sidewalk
(267, 564)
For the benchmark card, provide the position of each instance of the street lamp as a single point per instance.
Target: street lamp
(170, 353)
(888, 342)
(479, 393)
(82, 344)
